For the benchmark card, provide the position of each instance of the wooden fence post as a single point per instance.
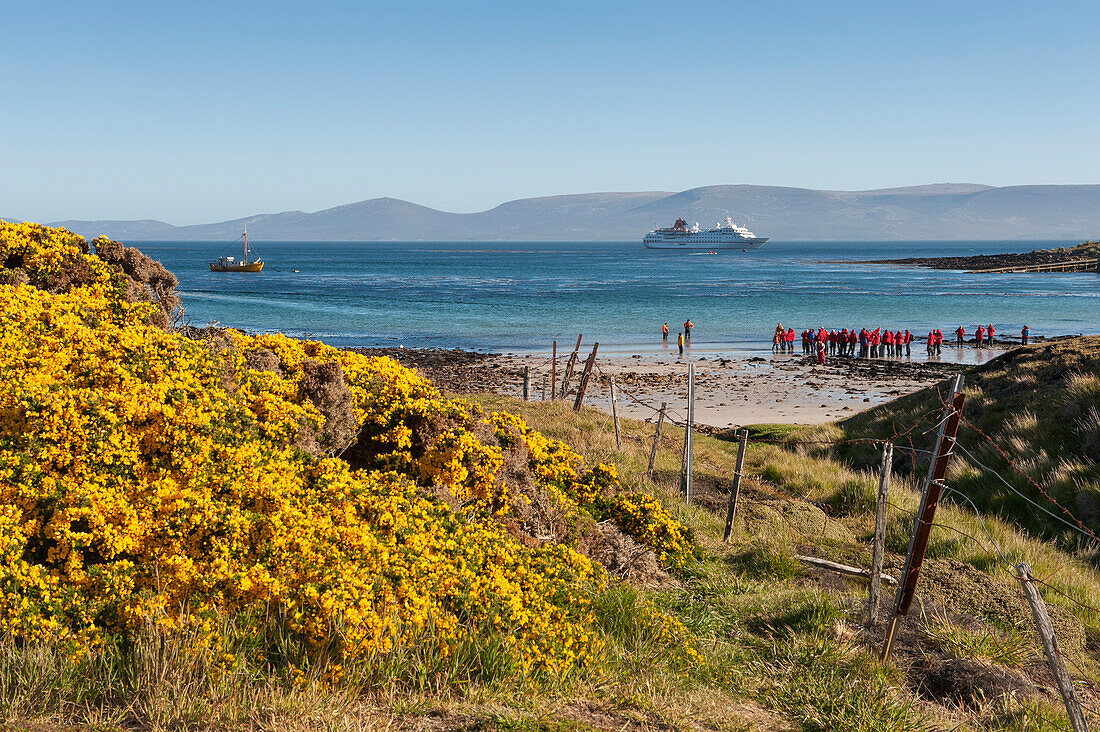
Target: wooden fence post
(1051, 649)
(685, 468)
(874, 599)
(553, 372)
(615, 416)
(569, 366)
(656, 440)
(731, 509)
(922, 526)
(583, 386)
(526, 383)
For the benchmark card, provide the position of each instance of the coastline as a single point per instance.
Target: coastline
(995, 262)
(730, 392)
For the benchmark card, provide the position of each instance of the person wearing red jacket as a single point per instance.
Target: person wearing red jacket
(876, 338)
(888, 343)
(1025, 335)
(989, 335)
(931, 348)
(939, 340)
(980, 333)
(852, 337)
(960, 336)
(908, 341)
(821, 346)
(790, 340)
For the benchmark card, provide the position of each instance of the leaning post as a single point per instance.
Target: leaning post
(731, 508)
(656, 441)
(569, 365)
(583, 386)
(615, 416)
(554, 371)
(685, 467)
(1051, 649)
(874, 599)
(922, 527)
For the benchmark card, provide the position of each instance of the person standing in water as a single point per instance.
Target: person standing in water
(688, 325)
(680, 342)
(664, 332)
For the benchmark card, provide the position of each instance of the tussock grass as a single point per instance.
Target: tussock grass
(1041, 405)
(1012, 649)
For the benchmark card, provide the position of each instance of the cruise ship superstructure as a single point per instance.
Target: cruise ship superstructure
(725, 235)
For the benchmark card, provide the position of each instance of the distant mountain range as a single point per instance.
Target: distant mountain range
(941, 211)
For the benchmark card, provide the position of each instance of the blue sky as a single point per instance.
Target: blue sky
(202, 111)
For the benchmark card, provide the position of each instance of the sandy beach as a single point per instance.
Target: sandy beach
(729, 392)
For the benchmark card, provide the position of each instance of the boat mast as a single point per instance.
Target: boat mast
(246, 245)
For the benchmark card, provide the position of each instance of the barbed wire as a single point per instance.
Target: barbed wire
(988, 535)
(1012, 464)
(1074, 600)
(1080, 527)
(1003, 555)
(1077, 683)
(825, 507)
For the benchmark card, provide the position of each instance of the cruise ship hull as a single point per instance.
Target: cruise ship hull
(691, 242)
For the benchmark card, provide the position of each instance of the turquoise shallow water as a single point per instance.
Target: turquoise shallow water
(521, 296)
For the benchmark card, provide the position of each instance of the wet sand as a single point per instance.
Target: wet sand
(729, 391)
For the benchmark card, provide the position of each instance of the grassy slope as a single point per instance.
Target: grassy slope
(1041, 405)
(774, 635)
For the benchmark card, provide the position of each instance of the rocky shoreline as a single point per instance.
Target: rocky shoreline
(994, 261)
(729, 392)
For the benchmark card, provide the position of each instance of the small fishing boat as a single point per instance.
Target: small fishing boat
(231, 264)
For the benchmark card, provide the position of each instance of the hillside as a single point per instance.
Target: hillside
(202, 529)
(937, 212)
(1039, 405)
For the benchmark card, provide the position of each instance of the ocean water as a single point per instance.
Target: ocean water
(519, 297)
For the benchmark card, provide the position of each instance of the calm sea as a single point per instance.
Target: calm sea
(521, 296)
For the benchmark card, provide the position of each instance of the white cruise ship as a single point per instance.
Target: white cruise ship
(726, 235)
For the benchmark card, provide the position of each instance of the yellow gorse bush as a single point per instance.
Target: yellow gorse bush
(146, 475)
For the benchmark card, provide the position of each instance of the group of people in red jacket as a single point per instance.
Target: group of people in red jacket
(877, 343)
(984, 336)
